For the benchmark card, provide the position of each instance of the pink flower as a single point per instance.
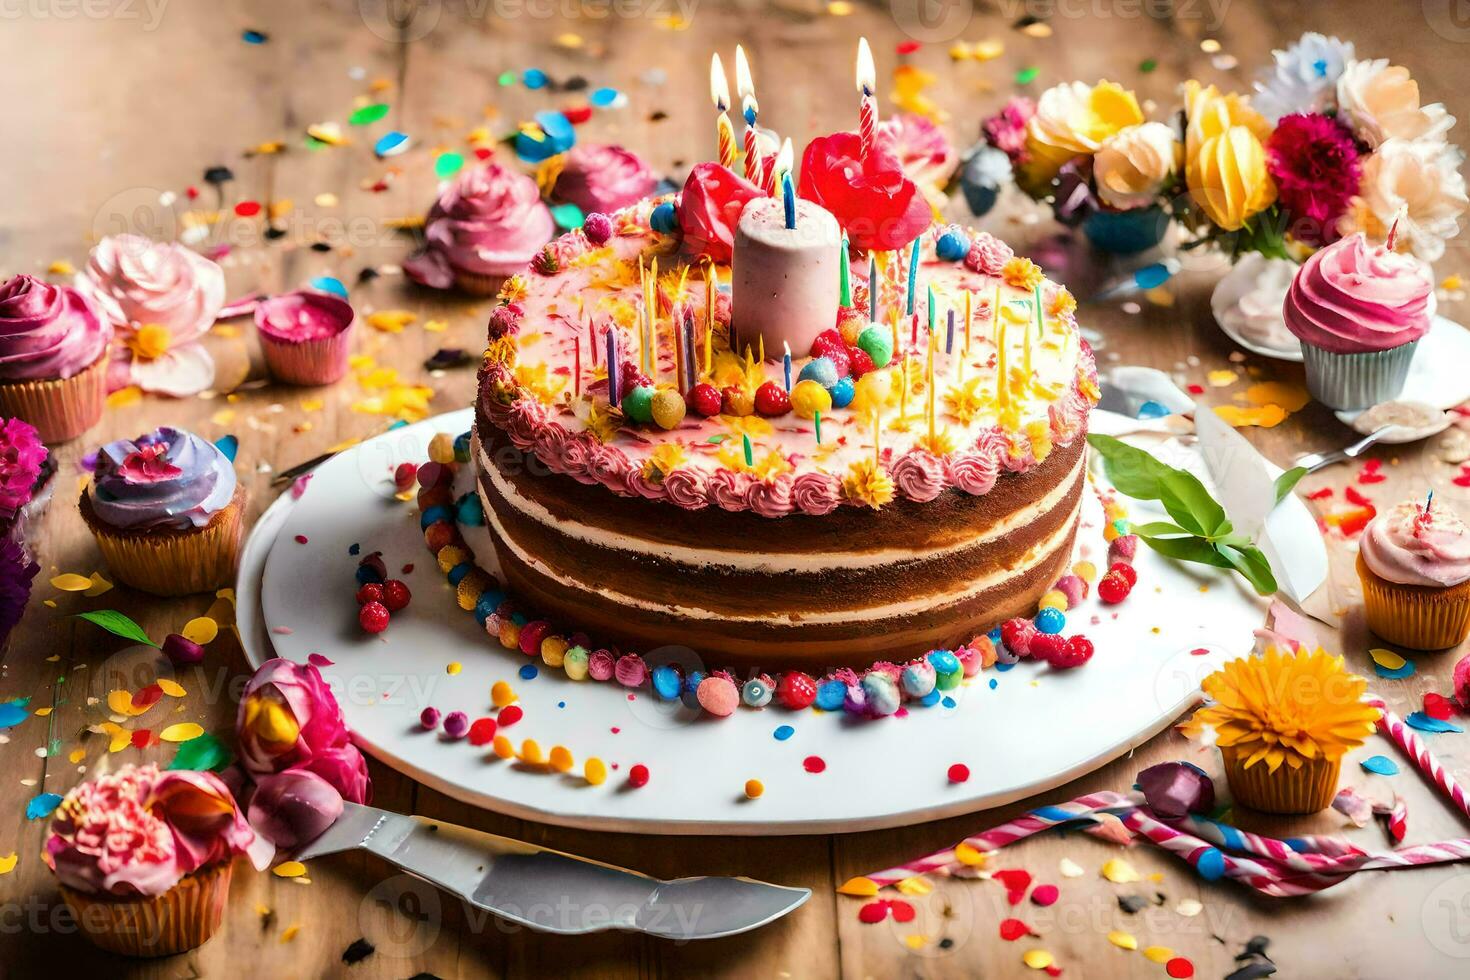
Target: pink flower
(988, 254)
(21, 459)
(288, 719)
(868, 194)
(1315, 165)
(1006, 130)
(207, 824)
(149, 464)
(709, 209)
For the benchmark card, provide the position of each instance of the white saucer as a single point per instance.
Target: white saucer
(1033, 730)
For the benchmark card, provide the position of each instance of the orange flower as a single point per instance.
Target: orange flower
(1021, 273)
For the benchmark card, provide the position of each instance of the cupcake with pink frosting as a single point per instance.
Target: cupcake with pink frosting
(1414, 563)
(53, 364)
(161, 299)
(486, 226)
(144, 858)
(306, 336)
(1358, 311)
(602, 179)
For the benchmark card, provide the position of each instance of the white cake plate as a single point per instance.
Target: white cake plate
(1020, 732)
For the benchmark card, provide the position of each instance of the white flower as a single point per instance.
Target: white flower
(1134, 164)
(1421, 178)
(1381, 101)
(1303, 77)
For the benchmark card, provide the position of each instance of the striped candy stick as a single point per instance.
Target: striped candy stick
(1301, 854)
(1393, 727)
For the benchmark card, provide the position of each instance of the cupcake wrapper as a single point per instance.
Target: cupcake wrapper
(176, 563)
(1412, 616)
(307, 362)
(1352, 381)
(1309, 789)
(182, 918)
(59, 408)
(478, 285)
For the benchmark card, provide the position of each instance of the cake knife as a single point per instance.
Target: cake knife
(550, 891)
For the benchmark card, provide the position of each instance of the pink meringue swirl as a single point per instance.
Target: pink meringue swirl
(1407, 546)
(610, 466)
(729, 490)
(919, 475)
(642, 485)
(1354, 298)
(988, 254)
(489, 221)
(136, 281)
(770, 498)
(687, 487)
(973, 471)
(598, 177)
(577, 458)
(524, 422)
(816, 493)
(48, 331)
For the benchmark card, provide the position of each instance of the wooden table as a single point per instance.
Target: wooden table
(104, 113)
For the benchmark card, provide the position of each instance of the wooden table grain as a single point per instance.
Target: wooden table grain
(110, 104)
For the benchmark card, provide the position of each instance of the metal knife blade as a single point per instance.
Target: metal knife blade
(551, 891)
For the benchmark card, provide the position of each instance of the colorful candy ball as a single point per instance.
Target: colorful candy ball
(918, 679)
(877, 343)
(667, 409)
(842, 393)
(953, 246)
(772, 400)
(638, 404)
(1050, 620)
(808, 397)
(821, 370)
(737, 401)
(704, 399)
(664, 219)
(757, 692)
(881, 694)
(718, 696)
(796, 690)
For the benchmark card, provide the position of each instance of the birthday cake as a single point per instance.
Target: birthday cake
(658, 471)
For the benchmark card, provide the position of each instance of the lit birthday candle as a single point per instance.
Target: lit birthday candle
(788, 200)
(719, 93)
(868, 105)
(749, 108)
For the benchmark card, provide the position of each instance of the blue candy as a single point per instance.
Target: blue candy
(533, 78)
(458, 572)
(1050, 620)
(433, 515)
(953, 246)
(469, 510)
(831, 695)
(666, 683)
(485, 606)
(881, 694)
(821, 370)
(842, 392)
(944, 662)
(1152, 410)
(664, 219)
(689, 695)
(756, 693)
(462, 448)
(918, 680)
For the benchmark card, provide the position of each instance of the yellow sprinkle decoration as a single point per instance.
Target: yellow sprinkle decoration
(1386, 659)
(969, 854)
(290, 932)
(915, 887)
(1122, 940)
(100, 586)
(859, 887)
(7, 863)
(1222, 378)
(61, 267)
(171, 687)
(503, 747)
(453, 667)
(754, 788)
(1159, 954)
(76, 756)
(391, 321)
(1038, 959)
(71, 582)
(595, 771)
(202, 630)
(501, 694)
(561, 758)
(181, 732)
(531, 753)
(289, 869)
(1120, 872)
(916, 941)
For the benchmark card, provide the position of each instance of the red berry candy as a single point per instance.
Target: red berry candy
(482, 732)
(1075, 652)
(1113, 588)
(1126, 570)
(826, 342)
(638, 776)
(373, 617)
(1047, 647)
(771, 399)
(860, 362)
(959, 772)
(840, 360)
(796, 690)
(395, 595)
(1017, 635)
(372, 592)
(405, 476)
(704, 399)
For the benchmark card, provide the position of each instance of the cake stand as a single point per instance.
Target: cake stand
(1020, 731)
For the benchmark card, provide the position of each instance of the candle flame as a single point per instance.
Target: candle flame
(743, 82)
(719, 88)
(866, 74)
(785, 158)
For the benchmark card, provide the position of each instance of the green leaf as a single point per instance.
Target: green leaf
(1286, 482)
(1252, 564)
(117, 624)
(1184, 492)
(367, 114)
(204, 752)
(1133, 471)
(1157, 529)
(1193, 549)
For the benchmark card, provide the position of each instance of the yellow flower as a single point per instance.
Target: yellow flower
(668, 457)
(1022, 273)
(1038, 433)
(747, 425)
(868, 483)
(1063, 303)
(502, 350)
(770, 466)
(151, 340)
(942, 443)
(1073, 119)
(965, 401)
(513, 290)
(601, 422)
(537, 379)
(1286, 708)
(1225, 156)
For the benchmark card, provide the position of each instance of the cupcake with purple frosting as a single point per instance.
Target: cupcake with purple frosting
(53, 357)
(306, 337)
(167, 512)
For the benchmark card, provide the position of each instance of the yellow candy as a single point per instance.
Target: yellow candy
(531, 753)
(503, 748)
(1053, 600)
(441, 448)
(851, 327)
(595, 771)
(872, 391)
(561, 758)
(501, 693)
(668, 408)
(1110, 532)
(754, 788)
(451, 555)
(575, 666)
(469, 590)
(510, 634)
(1085, 570)
(553, 651)
(809, 397)
(739, 402)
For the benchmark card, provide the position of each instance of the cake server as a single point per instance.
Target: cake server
(550, 891)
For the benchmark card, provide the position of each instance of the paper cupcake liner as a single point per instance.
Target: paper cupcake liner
(1415, 616)
(1309, 789)
(173, 563)
(478, 285)
(307, 362)
(59, 408)
(1351, 381)
(181, 919)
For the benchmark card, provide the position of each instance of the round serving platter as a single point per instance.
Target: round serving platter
(1019, 731)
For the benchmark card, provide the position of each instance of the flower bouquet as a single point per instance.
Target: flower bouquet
(1089, 151)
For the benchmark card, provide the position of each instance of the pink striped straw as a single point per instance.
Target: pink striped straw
(1409, 742)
